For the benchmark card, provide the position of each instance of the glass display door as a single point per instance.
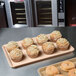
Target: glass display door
(46, 12)
(16, 13)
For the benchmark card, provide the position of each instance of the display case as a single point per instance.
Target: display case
(16, 13)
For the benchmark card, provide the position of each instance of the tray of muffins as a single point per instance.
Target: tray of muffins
(64, 68)
(41, 47)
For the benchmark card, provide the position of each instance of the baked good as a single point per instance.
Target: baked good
(42, 38)
(16, 55)
(11, 45)
(48, 48)
(67, 65)
(27, 42)
(55, 35)
(33, 51)
(51, 70)
(63, 44)
(72, 72)
(59, 75)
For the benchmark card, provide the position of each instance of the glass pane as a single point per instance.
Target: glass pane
(18, 12)
(71, 12)
(44, 12)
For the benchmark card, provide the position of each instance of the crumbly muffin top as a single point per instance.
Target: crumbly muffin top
(33, 49)
(16, 53)
(28, 41)
(55, 35)
(42, 38)
(63, 41)
(12, 43)
(48, 45)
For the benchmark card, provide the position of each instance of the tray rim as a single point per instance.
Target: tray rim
(15, 66)
(7, 57)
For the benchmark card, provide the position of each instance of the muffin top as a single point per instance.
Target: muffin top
(42, 38)
(16, 54)
(12, 43)
(55, 35)
(62, 42)
(33, 49)
(48, 47)
(28, 41)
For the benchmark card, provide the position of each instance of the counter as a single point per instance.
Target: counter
(7, 35)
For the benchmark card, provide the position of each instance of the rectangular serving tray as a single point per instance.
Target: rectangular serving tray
(27, 60)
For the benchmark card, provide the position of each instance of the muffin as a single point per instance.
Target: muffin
(55, 35)
(11, 45)
(63, 44)
(67, 65)
(72, 72)
(33, 51)
(16, 55)
(42, 38)
(59, 75)
(51, 71)
(27, 42)
(48, 48)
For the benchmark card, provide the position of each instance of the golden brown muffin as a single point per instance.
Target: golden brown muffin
(55, 35)
(51, 71)
(33, 51)
(48, 48)
(16, 55)
(63, 44)
(27, 42)
(11, 45)
(42, 38)
(72, 72)
(59, 75)
(67, 65)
